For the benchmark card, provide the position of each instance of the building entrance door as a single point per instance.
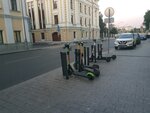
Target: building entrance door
(56, 37)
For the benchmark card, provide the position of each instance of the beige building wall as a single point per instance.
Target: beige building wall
(12, 20)
(2, 27)
(69, 30)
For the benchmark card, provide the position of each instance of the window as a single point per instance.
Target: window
(55, 3)
(14, 5)
(0, 4)
(89, 23)
(82, 34)
(43, 36)
(39, 12)
(33, 37)
(17, 36)
(95, 13)
(89, 11)
(71, 5)
(56, 19)
(72, 19)
(86, 34)
(85, 9)
(33, 16)
(80, 7)
(1, 37)
(81, 21)
(89, 34)
(85, 22)
(74, 34)
(43, 15)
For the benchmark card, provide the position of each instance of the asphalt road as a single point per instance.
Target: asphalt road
(18, 67)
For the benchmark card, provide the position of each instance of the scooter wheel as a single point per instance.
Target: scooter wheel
(74, 65)
(67, 77)
(114, 57)
(97, 72)
(108, 59)
(90, 76)
(95, 66)
(69, 72)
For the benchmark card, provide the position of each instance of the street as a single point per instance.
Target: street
(18, 67)
(123, 87)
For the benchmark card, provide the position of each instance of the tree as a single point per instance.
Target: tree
(147, 20)
(102, 26)
(114, 30)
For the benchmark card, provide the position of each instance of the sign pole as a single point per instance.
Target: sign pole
(108, 31)
(109, 12)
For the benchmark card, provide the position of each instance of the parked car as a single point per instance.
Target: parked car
(125, 40)
(137, 37)
(143, 37)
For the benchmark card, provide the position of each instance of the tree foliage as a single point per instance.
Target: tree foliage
(147, 20)
(114, 30)
(102, 26)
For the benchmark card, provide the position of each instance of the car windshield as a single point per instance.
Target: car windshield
(125, 36)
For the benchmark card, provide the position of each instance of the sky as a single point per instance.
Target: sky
(127, 12)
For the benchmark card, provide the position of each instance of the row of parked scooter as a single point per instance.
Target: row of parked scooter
(83, 57)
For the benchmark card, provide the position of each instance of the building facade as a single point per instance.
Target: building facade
(63, 20)
(14, 27)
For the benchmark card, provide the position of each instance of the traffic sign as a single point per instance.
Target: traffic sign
(106, 20)
(109, 12)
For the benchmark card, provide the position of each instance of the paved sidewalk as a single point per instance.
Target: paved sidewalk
(31, 48)
(8, 49)
(123, 87)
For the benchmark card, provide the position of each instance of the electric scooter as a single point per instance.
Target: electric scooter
(68, 70)
(100, 55)
(92, 58)
(82, 66)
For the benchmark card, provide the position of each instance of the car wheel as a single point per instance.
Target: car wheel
(114, 57)
(134, 45)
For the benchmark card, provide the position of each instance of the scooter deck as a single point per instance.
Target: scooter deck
(82, 73)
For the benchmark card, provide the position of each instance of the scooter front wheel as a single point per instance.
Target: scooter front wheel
(114, 57)
(95, 66)
(108, 59)
(90, 76)
(97, 72)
